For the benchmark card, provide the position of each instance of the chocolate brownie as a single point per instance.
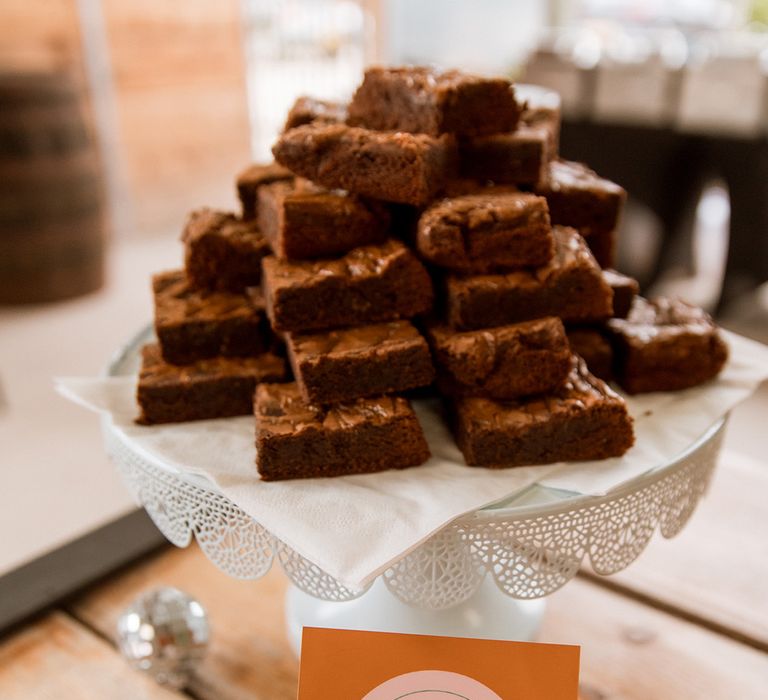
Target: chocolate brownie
(517, 157)
(594, 348)
(303, 221)
(367, 285)
(579, 197)
(625, 289)
(479, 233)
(424, 100)
(295, 439)
(308, 110)
(570, 286)
(351, 363)
(393, 166)
(665, 345)
(541, 109)
(193, 324)
(252, 178)
(222, 252)
(532, 357)
(583, 420)
(214, 388)
(603, 247)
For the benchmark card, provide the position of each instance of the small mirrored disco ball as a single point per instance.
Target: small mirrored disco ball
(164, 632)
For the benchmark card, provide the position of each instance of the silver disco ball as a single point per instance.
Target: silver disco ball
(164, 632)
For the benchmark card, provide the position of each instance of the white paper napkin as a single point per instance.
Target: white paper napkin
(354, 527)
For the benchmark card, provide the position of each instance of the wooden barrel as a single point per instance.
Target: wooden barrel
(52, 212)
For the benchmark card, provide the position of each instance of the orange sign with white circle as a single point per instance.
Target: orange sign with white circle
(353, 665)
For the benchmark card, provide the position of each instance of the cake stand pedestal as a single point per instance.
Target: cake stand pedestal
(483, 575)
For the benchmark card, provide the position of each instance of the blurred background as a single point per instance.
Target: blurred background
(117, 118)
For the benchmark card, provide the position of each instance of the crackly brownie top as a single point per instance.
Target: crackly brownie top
(262, 173)
(306, 194)
(156, 372)
(581, 391)
(211, 222)
(662, 318)
(365, 261)
(361, 339)
(428, 83)
(485, 211)
(177, 302)
(307, 110)
(318, 138)
(280, 410)
(569, 175)
(571, 252)
(545, 333)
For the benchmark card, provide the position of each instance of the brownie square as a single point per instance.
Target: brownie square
(579, 197)
(222, 252)
(532, 357)
(541, 109)
(295, 439)
(252, 178)
(479, 233)
(570, 286)
(423, 100)
(594, 348)
(368, 285)
(583, 420)
(665, 345)
(193, 324)
(625, 289)
(393, 166)
(214, 388)
(302, 221)
(308, 110)
(517, 157)
(351, 363)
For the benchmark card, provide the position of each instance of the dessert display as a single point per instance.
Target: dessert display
(425, 238)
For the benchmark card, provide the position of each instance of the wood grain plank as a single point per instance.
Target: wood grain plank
(630, 651)
(633, 652)
(58, 658)
(716, 568)
(249, 655)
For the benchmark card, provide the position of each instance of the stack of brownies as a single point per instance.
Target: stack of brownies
(425, 235)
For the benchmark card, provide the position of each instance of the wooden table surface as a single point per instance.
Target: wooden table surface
(687, 621)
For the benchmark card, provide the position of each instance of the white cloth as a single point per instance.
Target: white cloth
(354, 527)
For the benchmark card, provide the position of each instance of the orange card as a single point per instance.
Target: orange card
(351, 665)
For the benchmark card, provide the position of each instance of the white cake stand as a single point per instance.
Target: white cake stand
(484, 575)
